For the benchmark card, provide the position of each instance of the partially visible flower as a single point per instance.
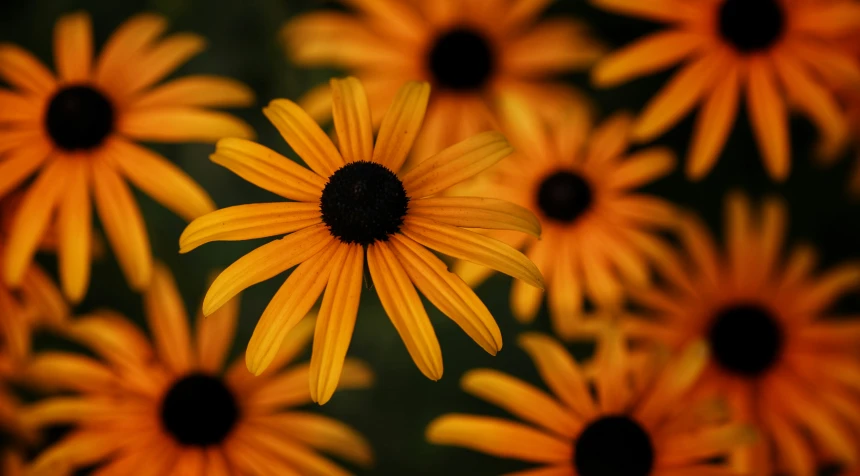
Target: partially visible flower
(621, 423)
(170, 408)
(76, 133)
(357, 200)
(773, 53)
(781, 356)
(599, 235)
(470, 51)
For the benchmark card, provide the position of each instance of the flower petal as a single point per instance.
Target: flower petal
(335, 323)
(403, 306)
(560, 372)
(769, 121)
(714, 123)
(474, 247)
(182, 124)
(75, 232)
(245, 222)
(352, 119)
(475, 212)
(161, 60)
(325, 434)
(648, 55)
(20, 163)
(643, 167)
(123, 224)
(73, 47)
(455, 164)
(448, 293)
(215, 335)
(168, 321)
(197, 91)
(265, 262)
(401, 125)
(304, 136)
(127, 42)
(161, 179)
(269, 170)
(21, 69)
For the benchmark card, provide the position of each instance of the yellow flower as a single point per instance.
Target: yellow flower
(621, 423)
(781, 357)
(470, 51)
(169, 408)
(358, 199)
(775, 52)
(78, 129)
(599, 235)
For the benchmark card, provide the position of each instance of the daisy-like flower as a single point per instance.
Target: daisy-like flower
(774, 53)
(169, 408)
(621, 423)
(76, 132)
(356, 201)
(469, 50)
(599, 234)
(781, 357)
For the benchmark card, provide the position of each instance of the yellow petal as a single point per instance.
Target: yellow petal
(198, 91)
(215, 335)
(123, 224)
(769, 122)
(705, 444)
(521, 400)
(673, 382)
(75, 233)
(448, 293)
(325, 434)
(182, 124)
(304, 136)
(654, 10)
(401, 125)
(168, 321)
(31, 219)
(335, 322)
(403, 306)
(66, 371)
(352, 119)
(269, 170)
(113, 337)
(714, 124)
(265, 262)
(38, 289)
(284, 448)
(611, 381)
(455, 164)
(161, 179)
(648, 55)
(498, 437)
(161, 60)
(245, 222)
(558, 46)
(475, 212)
(73, 47)
(127, 42)
(22, 162)
(560, 372)
(21, 69)
(288, 307)
(471, 246)
(643, 167)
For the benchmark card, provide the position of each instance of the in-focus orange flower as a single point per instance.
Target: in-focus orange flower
(170, 408)
(76, 133)
(470, 51)
(623, 422)
(781, 356)
(773, 53)
(599, 235)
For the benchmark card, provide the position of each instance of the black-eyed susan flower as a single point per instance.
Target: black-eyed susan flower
(356, 200)
(170, 408)
(772, 53)
(780, 356)
(469, 51)
(619, 423)
(76, 133)
(599, 235)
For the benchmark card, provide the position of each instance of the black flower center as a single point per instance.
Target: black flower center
(199, 410)
(461, 59)
(751, 25)
(745, 339)
(79, 118)
(363, 202)
(613, 445)
(564, 196)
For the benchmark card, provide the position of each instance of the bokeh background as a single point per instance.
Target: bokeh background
(244, 44)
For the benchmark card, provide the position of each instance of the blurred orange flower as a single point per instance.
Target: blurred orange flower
(470, 51)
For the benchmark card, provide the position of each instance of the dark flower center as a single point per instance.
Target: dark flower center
(363, 202)
(199, 410)
(751, 25)
(564, 196)
(79, 118)
(461, 59)
(745, 339)
(613, 445)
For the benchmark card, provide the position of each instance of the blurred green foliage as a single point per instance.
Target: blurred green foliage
(244, 44)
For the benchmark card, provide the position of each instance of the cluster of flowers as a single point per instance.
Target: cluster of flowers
(710, 360)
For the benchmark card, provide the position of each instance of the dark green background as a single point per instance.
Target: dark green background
(243, 44)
